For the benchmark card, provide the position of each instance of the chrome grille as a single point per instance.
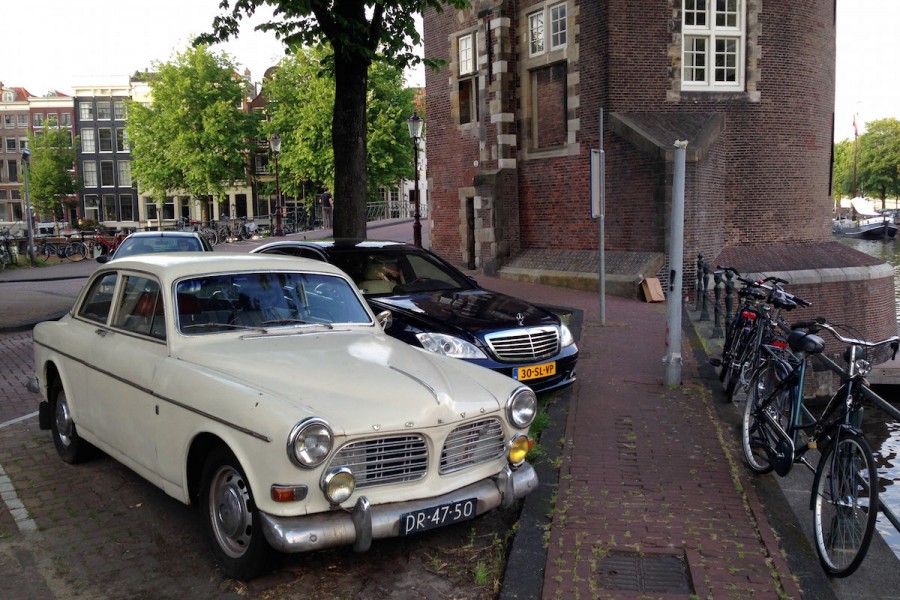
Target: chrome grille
(517, 345)
(382, 461)
(472, 444)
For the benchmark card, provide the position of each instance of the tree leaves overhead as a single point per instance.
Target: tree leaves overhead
(193, 136)
(878, 164)
(358, 33)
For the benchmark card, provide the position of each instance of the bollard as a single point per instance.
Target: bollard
(699, 280)
(717, 306)
(704, 305)
(729, 297)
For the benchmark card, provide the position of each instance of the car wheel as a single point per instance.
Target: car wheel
(231, 518)
(69, 445)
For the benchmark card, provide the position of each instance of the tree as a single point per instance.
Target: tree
(193, 135)
(51, 175)
(842, 170)
(359, 33)
(300, 103)
(879, 158)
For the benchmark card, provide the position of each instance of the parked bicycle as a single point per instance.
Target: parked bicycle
(779, 431)
(756, 322)
(7, 256)
(73, 250)
(104, 245)
(185, 224)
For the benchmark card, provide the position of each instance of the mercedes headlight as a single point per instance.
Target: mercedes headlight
(521, 407)
(449, 345)
(565, 335)
(310, 443)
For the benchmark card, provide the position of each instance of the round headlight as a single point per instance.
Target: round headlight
(339, 485)
(521, 407)
(449, 345)
(310, 442)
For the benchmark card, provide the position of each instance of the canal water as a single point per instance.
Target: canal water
(882, 432)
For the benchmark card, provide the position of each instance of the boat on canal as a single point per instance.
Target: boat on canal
(867, 224)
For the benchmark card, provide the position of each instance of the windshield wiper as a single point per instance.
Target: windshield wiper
(296, 322)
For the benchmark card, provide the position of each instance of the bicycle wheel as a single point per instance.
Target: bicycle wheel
(739, 356)
(758, 437)
(845, 504)
(76, 251)
(210, 235)
(47, 250)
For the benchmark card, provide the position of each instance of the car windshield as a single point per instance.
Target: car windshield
(146, 245)
(387, 271)
(216, 303)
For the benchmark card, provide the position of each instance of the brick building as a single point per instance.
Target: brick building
(749, 85)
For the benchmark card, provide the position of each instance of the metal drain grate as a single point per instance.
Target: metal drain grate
(632, 572)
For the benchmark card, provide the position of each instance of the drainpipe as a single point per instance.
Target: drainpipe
(672, 359)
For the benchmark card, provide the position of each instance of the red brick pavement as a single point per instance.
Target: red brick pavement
(647, 471)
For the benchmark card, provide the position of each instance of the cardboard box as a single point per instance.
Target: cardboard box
(652, 290)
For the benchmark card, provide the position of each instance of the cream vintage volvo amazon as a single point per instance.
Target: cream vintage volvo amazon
(264, 390)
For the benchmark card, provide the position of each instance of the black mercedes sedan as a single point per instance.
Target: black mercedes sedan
(437, 307)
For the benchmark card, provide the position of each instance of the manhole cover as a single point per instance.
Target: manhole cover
(632, 572)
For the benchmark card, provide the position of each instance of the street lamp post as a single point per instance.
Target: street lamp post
(275, 144)
(26, 156)
(415, 124)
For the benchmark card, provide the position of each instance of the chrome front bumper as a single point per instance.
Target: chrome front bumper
(365, 523)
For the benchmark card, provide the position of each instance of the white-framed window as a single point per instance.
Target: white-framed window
(104, 136)
(121, 140)
(86, 110)
(713, 45)
(38, 119)
(120, 110)
(108, 207)
(53, 120)
(9, 121)
(65, 119)
(11, 145)
(107, 174)
(89, 175)
(23, 121)
(88, 141)
(466, 54)
(124, 167)
(23, 143)
(9, 96)
(103, 110)
(540, 37)
(126, 207)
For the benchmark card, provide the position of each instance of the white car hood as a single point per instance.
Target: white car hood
(363, 382)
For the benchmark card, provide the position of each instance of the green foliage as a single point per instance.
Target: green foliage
(358, 34)
(301, 97)
(193, 136)
(879, 159)
(51, 179)
(842, 179)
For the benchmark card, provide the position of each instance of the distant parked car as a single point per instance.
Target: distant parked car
(437, 307)
(148, 242)
(265, 390)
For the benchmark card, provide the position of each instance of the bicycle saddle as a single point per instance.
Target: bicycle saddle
(756, 293)
(802, 341)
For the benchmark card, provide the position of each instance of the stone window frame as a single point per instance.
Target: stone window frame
(704, 30)
(528, 64)
(750, 61)
(547, 29)
(465, 83)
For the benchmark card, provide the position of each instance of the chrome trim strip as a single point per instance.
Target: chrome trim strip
(150, 392)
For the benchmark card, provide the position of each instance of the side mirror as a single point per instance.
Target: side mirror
(385, 319)
(103, 258)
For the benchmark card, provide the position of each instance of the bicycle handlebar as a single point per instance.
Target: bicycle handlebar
(822, 323)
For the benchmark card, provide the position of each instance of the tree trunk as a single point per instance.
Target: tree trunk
(348, 139)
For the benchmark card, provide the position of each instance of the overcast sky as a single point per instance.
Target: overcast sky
(55, 44)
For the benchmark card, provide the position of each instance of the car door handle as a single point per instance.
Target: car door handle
(101, 332)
